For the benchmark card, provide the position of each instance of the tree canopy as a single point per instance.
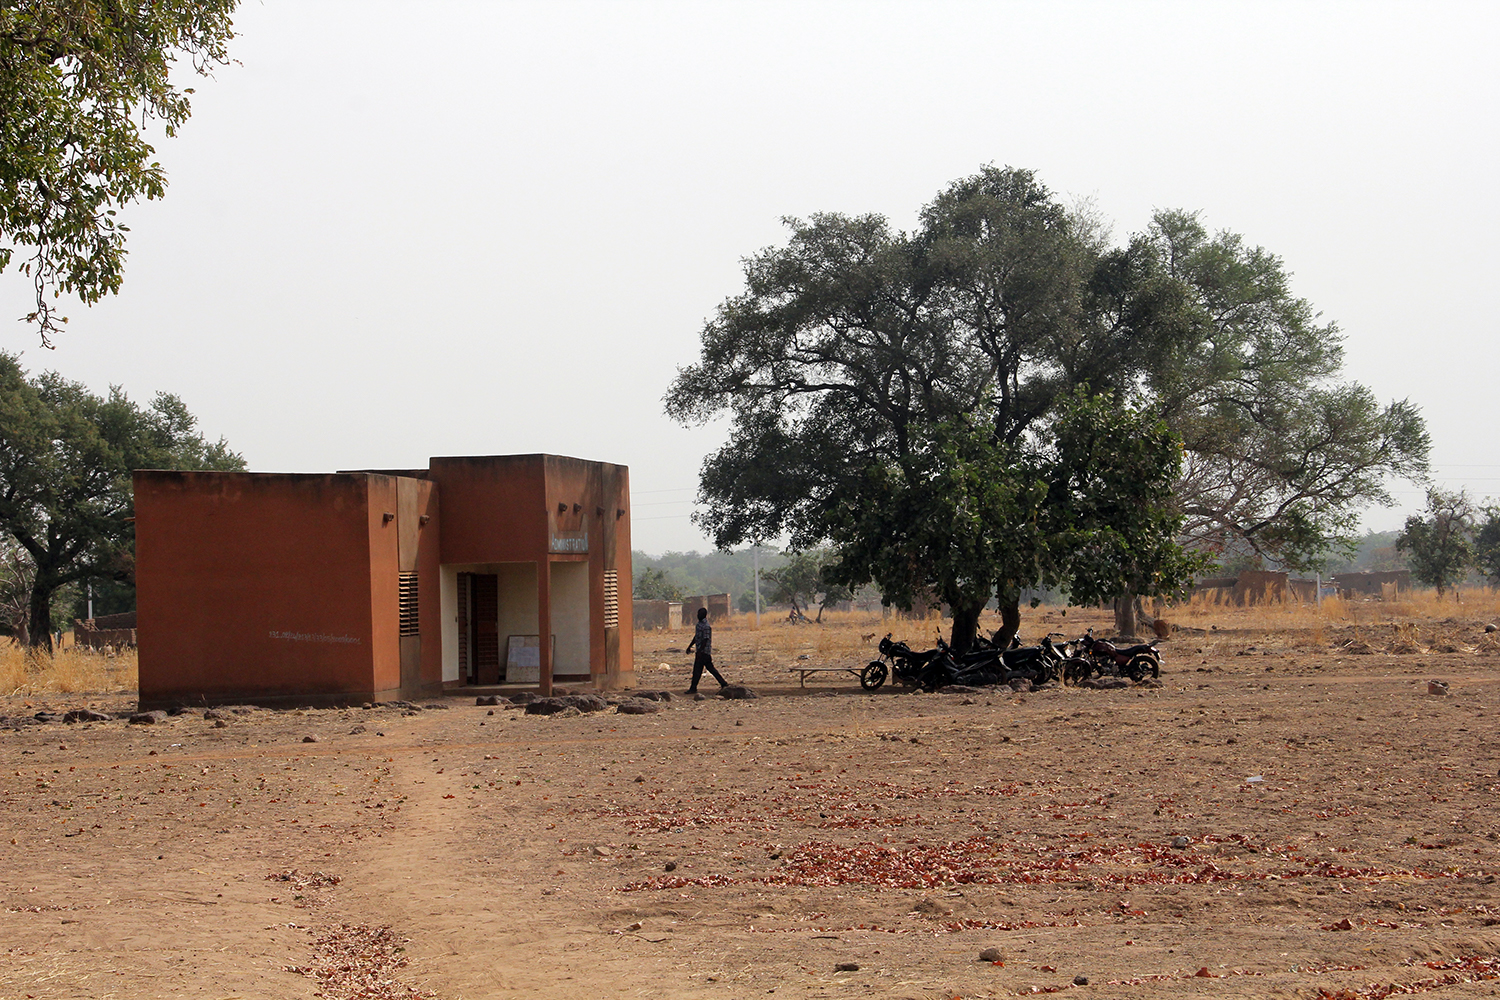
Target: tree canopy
(66, 457)
(803, 580)
(1487, 546)
(1439, 545)
(938, 373)
(79, 80)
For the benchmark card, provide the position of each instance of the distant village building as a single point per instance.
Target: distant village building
(1257, 587)
(658, 614)
(364, 586)
(1384, 586)
(717, 605)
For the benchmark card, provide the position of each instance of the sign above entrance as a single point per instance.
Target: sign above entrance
(569, 541)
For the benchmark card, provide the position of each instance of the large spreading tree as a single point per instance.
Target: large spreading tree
(66, 458)
(938, 379)
(79, 81)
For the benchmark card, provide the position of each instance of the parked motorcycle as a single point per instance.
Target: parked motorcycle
(1101, 657)
(987, 665)
(928, 670)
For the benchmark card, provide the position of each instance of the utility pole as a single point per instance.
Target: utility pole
(91, 600)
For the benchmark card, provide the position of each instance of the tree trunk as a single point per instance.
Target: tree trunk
(39, 632)
(1010, 619)
(965, 627)
(1127, 613)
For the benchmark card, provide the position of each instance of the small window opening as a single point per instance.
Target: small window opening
(611, 598)
(409, 617)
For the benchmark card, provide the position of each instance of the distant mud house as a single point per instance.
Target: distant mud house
(362, 586)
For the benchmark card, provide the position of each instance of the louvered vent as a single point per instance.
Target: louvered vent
(611, 598)
(408, 587)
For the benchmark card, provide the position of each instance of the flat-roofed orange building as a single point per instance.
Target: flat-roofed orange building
(277, 588)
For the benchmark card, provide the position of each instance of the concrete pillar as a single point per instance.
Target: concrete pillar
(544, 622)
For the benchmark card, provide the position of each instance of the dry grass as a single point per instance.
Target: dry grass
(1280, 614)
(71, 671)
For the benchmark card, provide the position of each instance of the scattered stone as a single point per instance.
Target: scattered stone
(1080, 980)
(1153, 682)
(86, 715)
(966, 701)
(846, 967)
(737, 692)
(45, 716)
(670, 866)
(487, 699)
(1021, 686)
(803, 656)
(309, 738)
(637, 706)
(1492, 627)
(1181, 842)
(435, 706)
(699, 696)
(654, 695)
(357, 730)
(603, 851)
(584, 702)
(547, 706)
(176, 710)
(215, 713)
(148, 718)
(220, 724)
(525, 697)
(632, 928)
(992, 955)
(1437, 687)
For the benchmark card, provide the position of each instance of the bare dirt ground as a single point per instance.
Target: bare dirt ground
(1336, 826)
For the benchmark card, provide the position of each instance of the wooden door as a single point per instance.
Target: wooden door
(484, 589)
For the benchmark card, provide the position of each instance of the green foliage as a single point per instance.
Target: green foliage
(963, 517)
(803, 579)
(652, 584)
(1110, 508)
(1439, 544)
(1487, 546)
(1281, 456)
(889, 392)
(66, 457)
(79, 80)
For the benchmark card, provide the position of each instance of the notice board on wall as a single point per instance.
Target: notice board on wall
(523, 658)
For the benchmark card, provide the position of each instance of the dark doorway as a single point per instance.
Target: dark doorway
(484, 595)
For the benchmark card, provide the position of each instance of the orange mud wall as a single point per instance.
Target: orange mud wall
(284, 588)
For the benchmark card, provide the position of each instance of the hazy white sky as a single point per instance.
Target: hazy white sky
(397, 230)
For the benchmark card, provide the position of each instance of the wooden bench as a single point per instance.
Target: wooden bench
(803, 673)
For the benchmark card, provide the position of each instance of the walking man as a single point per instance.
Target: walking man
(703, 638)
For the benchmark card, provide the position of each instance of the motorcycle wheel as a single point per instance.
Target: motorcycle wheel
(1144, 666)
(1075, 669)
(873, 675)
